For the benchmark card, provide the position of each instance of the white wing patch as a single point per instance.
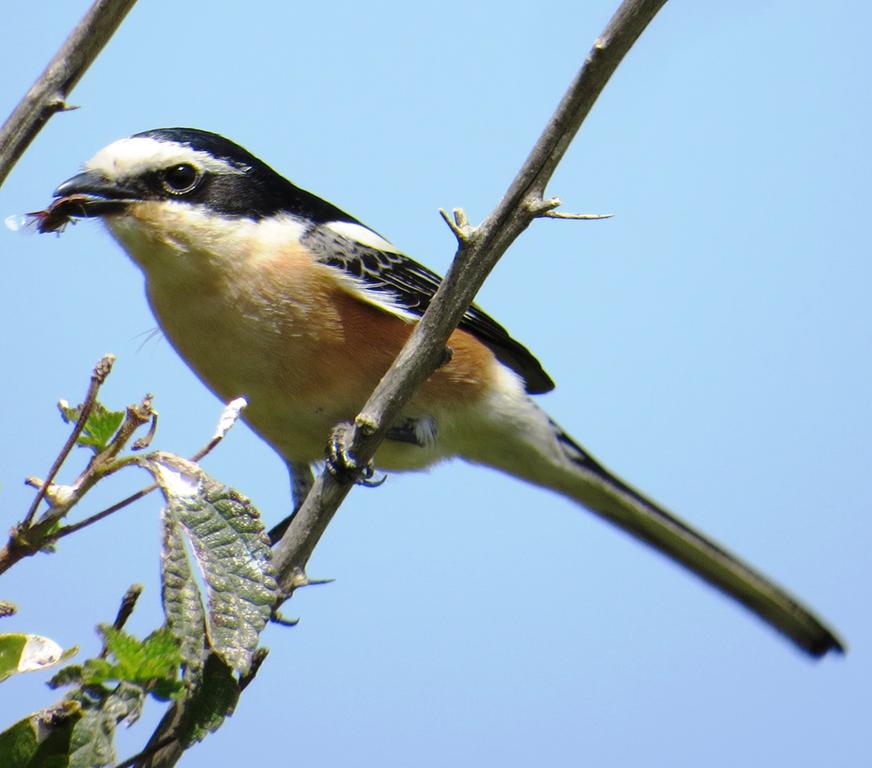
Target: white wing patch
(129, 158)
(359, 234)
(358, 287)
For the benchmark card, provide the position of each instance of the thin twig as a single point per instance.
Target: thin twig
(576, 216)
(23, 543)
(48, 94)
(228, 418)
(73, 527)
(479, 250)
(128, 603)
(98, 376)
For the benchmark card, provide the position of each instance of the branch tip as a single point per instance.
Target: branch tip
(539, 206)
(125, 609)
(547, 209)
(366, 423)
(277, 618)
(575, 216)
(103, 368)
(316, 582)
(458, 224)
(142, 443)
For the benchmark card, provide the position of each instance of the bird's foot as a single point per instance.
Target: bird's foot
(344, 465)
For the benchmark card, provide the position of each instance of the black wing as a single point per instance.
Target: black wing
(409, 287)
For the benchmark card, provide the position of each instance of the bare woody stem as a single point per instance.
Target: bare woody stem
(228, 418)
(27, 538)
(48, 94)
(98, 376)
(479, 250)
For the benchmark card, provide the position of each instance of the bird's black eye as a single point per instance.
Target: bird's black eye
(180, 179)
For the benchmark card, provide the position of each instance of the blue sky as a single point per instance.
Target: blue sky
(710, 344)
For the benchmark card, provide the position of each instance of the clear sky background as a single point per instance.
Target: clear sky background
(711, 343)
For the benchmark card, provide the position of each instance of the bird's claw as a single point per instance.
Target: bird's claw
(344, 465)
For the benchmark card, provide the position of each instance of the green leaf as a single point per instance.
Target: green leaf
(100, 427)
(212, 699)
(151, 664)
(125, 703)
(232, 552)
(69, 414)
(28, 653)
(69, 675)
(18, 744)
(183, 607)
(98, 671)
(40, 740)
(92, 740)
(11, 648)
(148, 663)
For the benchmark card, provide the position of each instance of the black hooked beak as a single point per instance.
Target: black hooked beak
(94, 194)
(85, 195)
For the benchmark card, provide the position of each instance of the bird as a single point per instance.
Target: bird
(272, 293)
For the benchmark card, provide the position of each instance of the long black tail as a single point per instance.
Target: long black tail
(545, 455)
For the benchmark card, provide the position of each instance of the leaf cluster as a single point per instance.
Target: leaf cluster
(218, 591)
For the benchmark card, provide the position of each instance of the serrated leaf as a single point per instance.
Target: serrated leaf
(231, 550)
(161, 654)
(69, 675)
(186, 617)
(28, 653)
(69, 414)
(212, 699)
(151, 664)
(100, 427)
(144, 662)
(97, 672)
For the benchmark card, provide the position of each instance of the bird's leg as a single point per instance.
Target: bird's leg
(419, 431)
(302, 481)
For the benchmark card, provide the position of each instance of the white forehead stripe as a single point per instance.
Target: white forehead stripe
(129, 158)
(360, 234)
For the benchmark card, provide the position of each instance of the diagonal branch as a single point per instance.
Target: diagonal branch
(479, 250)
(48, 94)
